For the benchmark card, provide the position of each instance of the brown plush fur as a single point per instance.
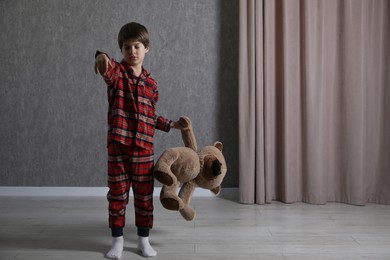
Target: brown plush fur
(187, 166)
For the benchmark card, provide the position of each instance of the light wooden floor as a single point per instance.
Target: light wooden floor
(71, 228)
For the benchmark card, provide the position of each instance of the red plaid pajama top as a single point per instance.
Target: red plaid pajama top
(132, 103)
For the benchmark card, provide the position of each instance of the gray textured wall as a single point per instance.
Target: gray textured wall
(53, 106)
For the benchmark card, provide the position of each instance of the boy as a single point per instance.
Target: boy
(132, 97)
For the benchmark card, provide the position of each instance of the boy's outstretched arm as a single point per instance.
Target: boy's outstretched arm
(102, 64)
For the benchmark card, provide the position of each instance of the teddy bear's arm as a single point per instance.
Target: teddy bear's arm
(216, 190)
(187, 133)
(186, 191)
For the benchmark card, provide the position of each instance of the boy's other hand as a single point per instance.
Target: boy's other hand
(102, 64)
(180, 124)
(176, 125)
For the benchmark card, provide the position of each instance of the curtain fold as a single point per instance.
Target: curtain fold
(251, 144)
(314, 113)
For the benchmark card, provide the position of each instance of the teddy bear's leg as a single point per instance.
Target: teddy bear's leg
(185, 194)
(169, 198)
(162, 170)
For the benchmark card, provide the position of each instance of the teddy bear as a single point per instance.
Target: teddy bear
(191, 168)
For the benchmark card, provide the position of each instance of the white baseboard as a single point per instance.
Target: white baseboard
(13, 191)
(53, 191)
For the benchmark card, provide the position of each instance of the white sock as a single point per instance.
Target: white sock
(145, 247)
(116, 248)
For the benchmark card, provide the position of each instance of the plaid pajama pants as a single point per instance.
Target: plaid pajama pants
(130, 166)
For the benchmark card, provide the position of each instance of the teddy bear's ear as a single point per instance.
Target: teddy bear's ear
(218, 145)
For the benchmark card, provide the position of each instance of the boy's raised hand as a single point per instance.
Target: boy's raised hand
(102, 64)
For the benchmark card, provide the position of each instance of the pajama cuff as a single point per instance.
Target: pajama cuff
(117, 231)
(143, 232)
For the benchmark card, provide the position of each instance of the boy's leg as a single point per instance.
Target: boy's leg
(143, 185)
(119, 185)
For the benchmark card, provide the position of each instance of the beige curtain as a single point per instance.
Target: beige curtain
(314, 101)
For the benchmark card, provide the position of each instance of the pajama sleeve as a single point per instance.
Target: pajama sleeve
(163, 124)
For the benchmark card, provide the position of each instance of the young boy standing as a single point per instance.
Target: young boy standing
(132, 98)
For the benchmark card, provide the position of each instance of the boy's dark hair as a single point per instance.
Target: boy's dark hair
(133, 31)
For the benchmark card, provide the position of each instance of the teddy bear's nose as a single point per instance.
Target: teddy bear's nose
(216, 167)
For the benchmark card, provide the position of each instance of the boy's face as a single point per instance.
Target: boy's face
(134, 52)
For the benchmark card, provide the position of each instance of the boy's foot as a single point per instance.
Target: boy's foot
(145, 247)
(116, 248)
